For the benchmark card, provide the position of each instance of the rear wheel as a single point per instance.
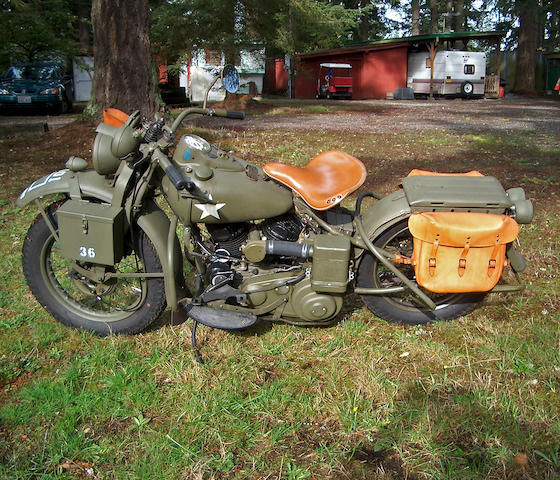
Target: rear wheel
(404, 307)
(116, 305)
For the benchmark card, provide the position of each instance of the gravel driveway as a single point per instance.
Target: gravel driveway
(22, 125)
(512, 114)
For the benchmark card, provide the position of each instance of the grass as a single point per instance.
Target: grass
(473, 398)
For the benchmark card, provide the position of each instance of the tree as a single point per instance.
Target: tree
(33, 30)
(123, 71)
(527, 47)
(415, 9)
(371, 22)
(283, 26)
(434, 16)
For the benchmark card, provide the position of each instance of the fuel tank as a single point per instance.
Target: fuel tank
(240, 191)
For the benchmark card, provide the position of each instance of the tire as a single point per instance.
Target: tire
(404, 308)
(120, 306)
(467, 89)
(63, 107)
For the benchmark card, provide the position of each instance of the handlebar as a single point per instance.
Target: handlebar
(176, 177)
(235, 114)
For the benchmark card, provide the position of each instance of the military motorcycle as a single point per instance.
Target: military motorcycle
(270, 243)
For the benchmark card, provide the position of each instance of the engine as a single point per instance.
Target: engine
(286, 227)
(272, 270)
(231, 237)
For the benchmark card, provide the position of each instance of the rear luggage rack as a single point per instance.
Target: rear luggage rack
(473, 194)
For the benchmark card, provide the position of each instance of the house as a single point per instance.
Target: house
(205, 65)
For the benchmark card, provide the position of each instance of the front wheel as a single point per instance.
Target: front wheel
(125, 305)
(404, 307)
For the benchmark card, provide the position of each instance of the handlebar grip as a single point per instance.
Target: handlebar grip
(236, 114)
(178, 179)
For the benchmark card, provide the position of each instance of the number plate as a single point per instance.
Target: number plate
(24, 99)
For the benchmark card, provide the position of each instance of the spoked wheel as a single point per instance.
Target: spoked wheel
(405, 307)
(114, 305)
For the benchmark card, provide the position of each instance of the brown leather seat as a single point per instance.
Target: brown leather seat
(325, 181)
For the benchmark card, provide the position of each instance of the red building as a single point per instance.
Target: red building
(377, 68)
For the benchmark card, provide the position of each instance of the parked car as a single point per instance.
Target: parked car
(36, 85)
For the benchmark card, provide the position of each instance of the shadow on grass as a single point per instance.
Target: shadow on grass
(457, 432)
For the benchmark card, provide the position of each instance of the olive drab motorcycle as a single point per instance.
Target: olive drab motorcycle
(270, 243)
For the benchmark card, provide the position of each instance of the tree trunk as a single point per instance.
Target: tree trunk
(83, 27)
(123, 72)
(526, 58)
(540, 26)
(460, 16)
(364, 28)
(415, 17)
(434, 16)
(448, 16)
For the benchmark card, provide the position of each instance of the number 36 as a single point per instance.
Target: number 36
(87, 252)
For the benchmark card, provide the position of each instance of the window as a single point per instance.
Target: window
(469, 69)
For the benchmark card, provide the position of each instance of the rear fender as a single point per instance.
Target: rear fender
(154, 222)
(385, 213)
(87, 184)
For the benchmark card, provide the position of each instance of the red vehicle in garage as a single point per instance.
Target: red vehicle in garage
(335, 81)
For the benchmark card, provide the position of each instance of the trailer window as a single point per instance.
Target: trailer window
(469, 69)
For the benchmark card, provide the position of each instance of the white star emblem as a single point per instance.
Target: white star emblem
(209, 210)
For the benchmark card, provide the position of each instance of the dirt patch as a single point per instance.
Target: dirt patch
(367, 462)
(25, 158)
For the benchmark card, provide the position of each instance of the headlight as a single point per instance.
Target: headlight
(3, 91)
(49, 91)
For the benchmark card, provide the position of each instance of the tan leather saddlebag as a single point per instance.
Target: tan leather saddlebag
(460, 251)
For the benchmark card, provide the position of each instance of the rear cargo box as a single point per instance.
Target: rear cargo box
(461, 194)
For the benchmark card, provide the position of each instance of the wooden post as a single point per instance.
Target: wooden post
(499, 56)
(432, 47)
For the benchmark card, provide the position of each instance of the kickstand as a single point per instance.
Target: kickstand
(199, 287)
(196, 353)
(197, 356)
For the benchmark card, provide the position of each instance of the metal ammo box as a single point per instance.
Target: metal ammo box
(91, 232)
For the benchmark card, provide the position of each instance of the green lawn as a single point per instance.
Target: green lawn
(478, 397)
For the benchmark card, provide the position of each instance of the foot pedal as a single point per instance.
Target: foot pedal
(222, 319)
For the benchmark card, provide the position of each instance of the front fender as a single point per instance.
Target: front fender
(154, 222)
(77, 184)
(55, 182)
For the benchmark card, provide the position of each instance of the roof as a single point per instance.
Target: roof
(407, 41)
(336, 65)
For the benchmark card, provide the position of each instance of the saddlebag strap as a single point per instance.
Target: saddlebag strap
(463, 258)
(432, 262)
(492, 263)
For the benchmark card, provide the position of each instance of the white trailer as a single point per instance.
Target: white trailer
(455, 73)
